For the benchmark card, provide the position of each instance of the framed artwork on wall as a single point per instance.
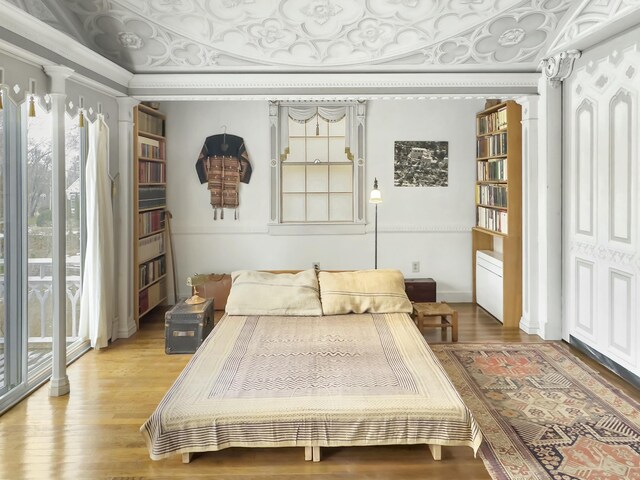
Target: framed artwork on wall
(420, 164)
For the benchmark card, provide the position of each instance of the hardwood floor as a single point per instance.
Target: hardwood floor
(93, 433)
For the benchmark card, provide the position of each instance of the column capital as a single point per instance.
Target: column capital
(529, 104)
(559, 66)
(58, 75)
(125, 108)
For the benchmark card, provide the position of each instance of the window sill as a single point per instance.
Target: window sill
(316, 229)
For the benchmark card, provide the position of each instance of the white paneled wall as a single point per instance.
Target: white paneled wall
(601, 213)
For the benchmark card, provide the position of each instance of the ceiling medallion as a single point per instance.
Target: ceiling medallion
(130, 40)
(321, 10)
(511, 37)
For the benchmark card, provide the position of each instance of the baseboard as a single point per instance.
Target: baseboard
(454, 296)
(605, 361)
(528, 326)
(128, 330)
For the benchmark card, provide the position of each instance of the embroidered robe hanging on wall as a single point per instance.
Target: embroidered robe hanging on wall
(224, 163)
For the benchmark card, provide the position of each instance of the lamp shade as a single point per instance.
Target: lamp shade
(196, 280)
(376, 196)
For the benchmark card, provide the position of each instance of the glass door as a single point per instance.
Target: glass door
(12, 334)
(3, 222)
(26, 245)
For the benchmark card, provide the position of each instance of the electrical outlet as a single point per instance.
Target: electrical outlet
(415, 267)
(316, 265)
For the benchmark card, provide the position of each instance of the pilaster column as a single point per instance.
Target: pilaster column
(59, 384)
(555, 69)
(530, 212)
(550, 208)
(124, 274)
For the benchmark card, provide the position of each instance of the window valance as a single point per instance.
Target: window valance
(307, 112)
(304, 113)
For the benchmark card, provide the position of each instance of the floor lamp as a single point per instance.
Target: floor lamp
(376, 198)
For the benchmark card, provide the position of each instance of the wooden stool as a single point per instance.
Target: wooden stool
(436, 314)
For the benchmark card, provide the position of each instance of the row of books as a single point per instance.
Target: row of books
(492, 170)
(493, 195)
(150, 148)
(149, 222)
(150, 297)
(151, 172)
(492, 145)
(492, 122)
(151, 271)
(150, 247)
(150, 124)
(491, 219)
(152, 197)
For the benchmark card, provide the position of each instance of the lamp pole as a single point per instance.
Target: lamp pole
(375, 198)
(376, 238)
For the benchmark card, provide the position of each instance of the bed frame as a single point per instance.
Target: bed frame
(313, 454)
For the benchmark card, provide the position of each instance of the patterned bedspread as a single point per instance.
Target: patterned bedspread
(366, 379)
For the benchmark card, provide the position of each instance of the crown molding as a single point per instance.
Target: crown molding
(271, 85)
(22, 24)
(627, 16)
(35, 60)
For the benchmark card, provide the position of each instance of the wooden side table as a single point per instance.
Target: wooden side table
(437, 315)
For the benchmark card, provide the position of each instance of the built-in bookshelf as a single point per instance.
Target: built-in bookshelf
(150, 200)
(498, 202)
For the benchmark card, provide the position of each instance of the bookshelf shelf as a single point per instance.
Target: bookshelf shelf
(150, 204)
(499, 202)
(151, 209)
(162, 277)
(151, 308)
(491, 157)
(154, 136)
(148, 159)
(155, 232)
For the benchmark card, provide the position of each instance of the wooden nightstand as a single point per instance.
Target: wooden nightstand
(420, 289)
(438, 315)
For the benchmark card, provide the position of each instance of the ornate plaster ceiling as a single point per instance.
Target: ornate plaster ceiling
(300, 35)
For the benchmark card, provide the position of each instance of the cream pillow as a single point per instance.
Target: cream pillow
(263, 293)
(374, 291)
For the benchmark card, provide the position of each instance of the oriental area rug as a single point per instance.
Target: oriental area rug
(544, 414)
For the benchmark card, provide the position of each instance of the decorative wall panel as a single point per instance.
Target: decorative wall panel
(620, 334)
(584, 291)
(584, 167)
(620, 173)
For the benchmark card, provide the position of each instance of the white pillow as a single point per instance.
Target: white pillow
(374, 291)
(264, 293)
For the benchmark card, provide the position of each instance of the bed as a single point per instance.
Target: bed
(310, 381)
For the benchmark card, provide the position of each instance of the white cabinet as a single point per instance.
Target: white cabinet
(489, 291)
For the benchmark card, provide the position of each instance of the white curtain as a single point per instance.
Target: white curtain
(96, 304)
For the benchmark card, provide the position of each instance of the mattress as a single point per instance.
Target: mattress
(343, 380)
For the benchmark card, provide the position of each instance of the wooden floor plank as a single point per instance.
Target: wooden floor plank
(93, 432)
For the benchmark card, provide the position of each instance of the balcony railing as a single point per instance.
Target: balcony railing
(40, 302)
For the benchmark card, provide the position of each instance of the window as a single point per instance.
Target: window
(317, 166)
(39, 232)
(75, 157)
